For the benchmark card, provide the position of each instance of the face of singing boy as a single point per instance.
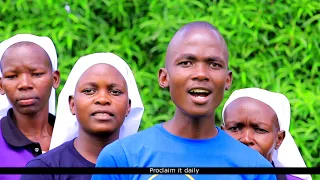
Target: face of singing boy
(255, 124)
(27, 77)
(196, 71)
(101, 100)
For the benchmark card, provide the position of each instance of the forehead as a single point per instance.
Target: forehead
(25, 54)
(202, 34)
(102, 72)
(250, 109)
(202, 42)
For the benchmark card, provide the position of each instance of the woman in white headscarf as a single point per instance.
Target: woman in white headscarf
(47, 45)
(28, 80)
(99, 104)
(261, 120)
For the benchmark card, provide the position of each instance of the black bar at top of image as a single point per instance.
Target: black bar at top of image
(160, 170)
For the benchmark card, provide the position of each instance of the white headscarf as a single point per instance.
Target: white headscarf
(288, 154)
(46, 44)
(66, 124)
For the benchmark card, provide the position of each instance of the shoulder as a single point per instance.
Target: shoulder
(37, 163)
(117, 153)
(137, 140)
(53, 157)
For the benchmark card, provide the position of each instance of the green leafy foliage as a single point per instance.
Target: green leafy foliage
(272, 44)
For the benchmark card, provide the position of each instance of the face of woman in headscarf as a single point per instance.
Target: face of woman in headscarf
(255, 124)
(27, 77)
(100, 100)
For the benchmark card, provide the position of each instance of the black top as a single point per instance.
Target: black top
(14, 137)
(280, 176)
(65, 155)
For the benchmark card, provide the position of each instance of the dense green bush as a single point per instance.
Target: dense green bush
(272, 44)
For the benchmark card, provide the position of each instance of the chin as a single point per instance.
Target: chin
(28, 111)
(198, 113)
(104, 132)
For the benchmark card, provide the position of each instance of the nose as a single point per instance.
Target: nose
(103, 98)
(247, 138)
(201, 73)
(25, 82)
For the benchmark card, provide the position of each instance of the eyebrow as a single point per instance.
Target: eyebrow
(33, 67)
(187, 56)
(113, 85)
(89, 84)
(256, 123)
(193, 57)
(94, 84)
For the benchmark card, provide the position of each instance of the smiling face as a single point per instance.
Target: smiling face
(196, 71)
(255, 124)
(101, 100)
(27, 78)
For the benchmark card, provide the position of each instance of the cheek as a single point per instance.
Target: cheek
(10, 90)
(46, 81)
(233, 134)
(266, 142)
(121, 109)
(236, 135)
(9, 86)
(177, 86)
(219, 79)
(81, 106)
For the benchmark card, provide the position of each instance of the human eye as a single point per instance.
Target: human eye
(88, 91)
(185, 63)
(37, 74)
(260, 130)
(10, 77)
(234, 128)
(116, 92)
(215, 65)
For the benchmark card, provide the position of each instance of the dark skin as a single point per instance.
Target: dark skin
(196, 61)
(100, 105)
(27, 81)
(255, 124)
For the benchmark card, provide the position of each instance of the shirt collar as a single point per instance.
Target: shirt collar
(13, 135)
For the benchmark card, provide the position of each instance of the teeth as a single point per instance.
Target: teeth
(200, 97)
(101, 114)
(199, 91)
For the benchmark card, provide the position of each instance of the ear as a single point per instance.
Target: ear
(163, 78)
(280, 137)
(1, 88)
(229, 80)
(56, 79)
(129, 108)
(71, 105)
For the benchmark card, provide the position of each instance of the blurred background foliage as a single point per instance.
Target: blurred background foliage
(273, 45)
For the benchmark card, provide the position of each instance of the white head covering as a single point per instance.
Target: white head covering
(288, 154)
(66, 124)
(46, 44)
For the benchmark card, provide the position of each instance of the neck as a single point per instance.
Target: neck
(90, 146)
(35, 126)
(269, 158)
(184, 125)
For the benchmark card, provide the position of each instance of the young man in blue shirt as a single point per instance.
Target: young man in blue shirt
(196, 74)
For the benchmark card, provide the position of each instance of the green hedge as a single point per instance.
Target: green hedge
(272, 44)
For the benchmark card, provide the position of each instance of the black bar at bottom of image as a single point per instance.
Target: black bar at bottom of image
(160, 170)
